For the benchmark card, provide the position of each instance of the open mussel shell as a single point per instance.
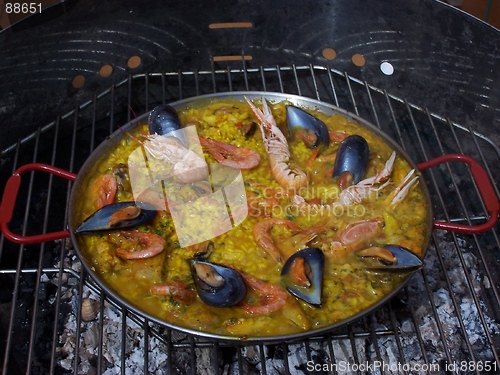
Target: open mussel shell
(352, 157)
(314, 260)
(117, 216)
(164, 119)
(299, 120)
(217, 285)
(405, 261)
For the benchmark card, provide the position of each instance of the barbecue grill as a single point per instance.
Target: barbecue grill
(447, 318)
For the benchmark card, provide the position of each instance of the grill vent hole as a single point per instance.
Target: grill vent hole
(78, 81)
(230, 25)
(134, 62)
(329, 53)
(105, 70)
(358, 60)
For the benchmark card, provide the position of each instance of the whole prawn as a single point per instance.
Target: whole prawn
(103, 190)
(277, 149)
(262, 235)
(182, 162)
(272, 297)
(363, 189)
(153, 245)
(188, 166)
(176, 289)
(286, 247)
(230, 155)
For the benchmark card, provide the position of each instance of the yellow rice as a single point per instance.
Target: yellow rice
(347, 290)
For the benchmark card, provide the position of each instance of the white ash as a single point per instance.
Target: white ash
(205, 361)
(446, 311)
(409, 351)
(292, 359)
(111, 343)
(296, 361)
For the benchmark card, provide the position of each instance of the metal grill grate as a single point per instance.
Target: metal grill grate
(447, 314)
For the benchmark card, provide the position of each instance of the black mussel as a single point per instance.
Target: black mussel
(391, 258)
(249, 129)
(217, 285)
(351, 161)
(117, 216)
(303, 275)
(164, 119)
(308, 128)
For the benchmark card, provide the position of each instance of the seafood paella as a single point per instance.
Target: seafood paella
(252, 219)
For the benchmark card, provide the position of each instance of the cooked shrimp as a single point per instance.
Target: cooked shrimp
(272, 297)
(355, 237)
(354, 193)
(152, 244)
(358, 193)
(277, 149)
(188, 166)
(177, 290)
(363, 189)
(103, 190)
(382, 175)
(230, 155)
(403, 189)
(262, 234)
(336, 136)
(361, 233)
(154, 197)
(291, 245)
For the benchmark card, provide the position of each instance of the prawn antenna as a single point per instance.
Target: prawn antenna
(130, 135)
(133, 113)
(138, 123)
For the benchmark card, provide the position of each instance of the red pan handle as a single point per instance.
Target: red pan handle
(9, 201)
(485, 190)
